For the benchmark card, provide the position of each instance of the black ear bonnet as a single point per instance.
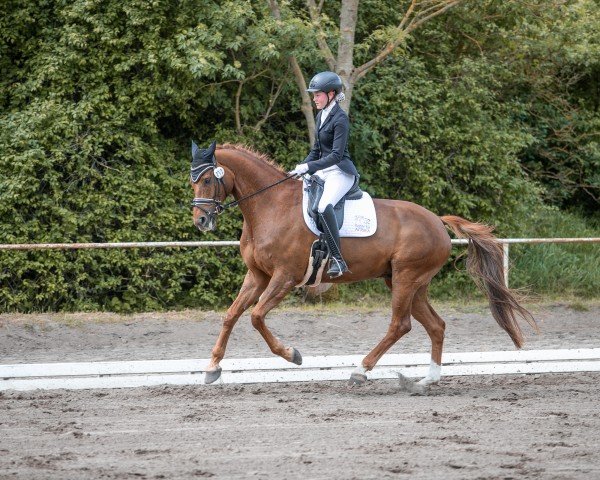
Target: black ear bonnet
(202, 160)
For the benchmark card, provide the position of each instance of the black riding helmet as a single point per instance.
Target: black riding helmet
(325, 82)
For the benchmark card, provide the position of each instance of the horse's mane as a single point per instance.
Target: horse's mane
(253, 153)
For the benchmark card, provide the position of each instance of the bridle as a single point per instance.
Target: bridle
(199, 202)
(219, 207)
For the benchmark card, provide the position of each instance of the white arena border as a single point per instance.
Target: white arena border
(48, 376)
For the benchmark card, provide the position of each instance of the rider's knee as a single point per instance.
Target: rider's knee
(323, 206)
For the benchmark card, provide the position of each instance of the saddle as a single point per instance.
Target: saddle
(319, 252)
(314, 188)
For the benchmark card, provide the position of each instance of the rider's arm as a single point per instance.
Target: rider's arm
(314, 151)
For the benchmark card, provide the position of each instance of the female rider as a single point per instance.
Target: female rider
(330, 160)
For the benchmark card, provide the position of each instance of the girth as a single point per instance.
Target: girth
(315, 186)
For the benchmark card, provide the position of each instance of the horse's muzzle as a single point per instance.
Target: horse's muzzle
(206, 223)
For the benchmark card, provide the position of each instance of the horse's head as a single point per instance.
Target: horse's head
(206, 178)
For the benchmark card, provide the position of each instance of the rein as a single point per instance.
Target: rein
(236, 202)
(219, 206)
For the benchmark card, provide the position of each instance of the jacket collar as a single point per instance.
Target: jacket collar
(329, 117)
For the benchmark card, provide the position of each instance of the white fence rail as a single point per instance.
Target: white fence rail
(232, 243)
(147, 373)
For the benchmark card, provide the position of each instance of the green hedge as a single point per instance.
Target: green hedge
(99, 101)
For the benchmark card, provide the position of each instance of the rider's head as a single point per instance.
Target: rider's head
(327, 83)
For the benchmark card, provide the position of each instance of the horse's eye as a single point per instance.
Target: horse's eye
(206, 181)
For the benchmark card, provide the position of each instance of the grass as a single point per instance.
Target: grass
(40, 322)
(356, 298)
(571, 270)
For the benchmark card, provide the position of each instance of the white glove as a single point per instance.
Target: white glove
(299, 169)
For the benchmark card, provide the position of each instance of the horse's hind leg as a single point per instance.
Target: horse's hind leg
(254, 284)
(278, 288)
(403, 290)
(435, 327)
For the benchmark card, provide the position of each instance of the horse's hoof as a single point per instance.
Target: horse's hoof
(212, 375)
(357, 379)
(425, 382)
(296, 357)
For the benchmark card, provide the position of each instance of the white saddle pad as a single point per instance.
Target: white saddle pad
(360, 219)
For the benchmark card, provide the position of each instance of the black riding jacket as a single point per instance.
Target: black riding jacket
(331, 143)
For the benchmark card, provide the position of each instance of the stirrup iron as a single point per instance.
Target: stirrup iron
(337, 267)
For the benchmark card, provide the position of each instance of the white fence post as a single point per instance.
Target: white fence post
(505, 262)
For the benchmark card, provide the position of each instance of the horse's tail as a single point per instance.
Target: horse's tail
(485, 265)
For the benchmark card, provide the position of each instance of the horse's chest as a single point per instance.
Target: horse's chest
(274, 243)
(259, 253)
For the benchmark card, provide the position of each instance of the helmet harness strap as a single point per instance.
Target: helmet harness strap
(329, 100)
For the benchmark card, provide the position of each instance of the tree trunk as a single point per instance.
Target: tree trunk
(345, 59)
(306, 107)
(416, 14)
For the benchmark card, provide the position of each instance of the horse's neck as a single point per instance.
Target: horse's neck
(251, 176)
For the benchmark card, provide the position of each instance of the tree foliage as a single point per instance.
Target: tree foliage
(482, 112)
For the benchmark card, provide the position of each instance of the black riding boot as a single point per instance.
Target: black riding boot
(337, 265)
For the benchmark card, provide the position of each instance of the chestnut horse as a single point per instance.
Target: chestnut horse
(410, 246)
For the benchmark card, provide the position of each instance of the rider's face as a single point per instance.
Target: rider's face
(320, 99)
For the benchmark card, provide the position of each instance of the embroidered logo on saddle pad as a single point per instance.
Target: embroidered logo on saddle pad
(360, 219)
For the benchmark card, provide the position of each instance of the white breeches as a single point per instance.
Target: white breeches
(337, 184)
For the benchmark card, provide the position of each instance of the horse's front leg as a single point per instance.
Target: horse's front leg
(278, 288)
(254, 284)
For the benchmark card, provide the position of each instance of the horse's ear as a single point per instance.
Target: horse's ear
(195, 149)
(211, 149)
